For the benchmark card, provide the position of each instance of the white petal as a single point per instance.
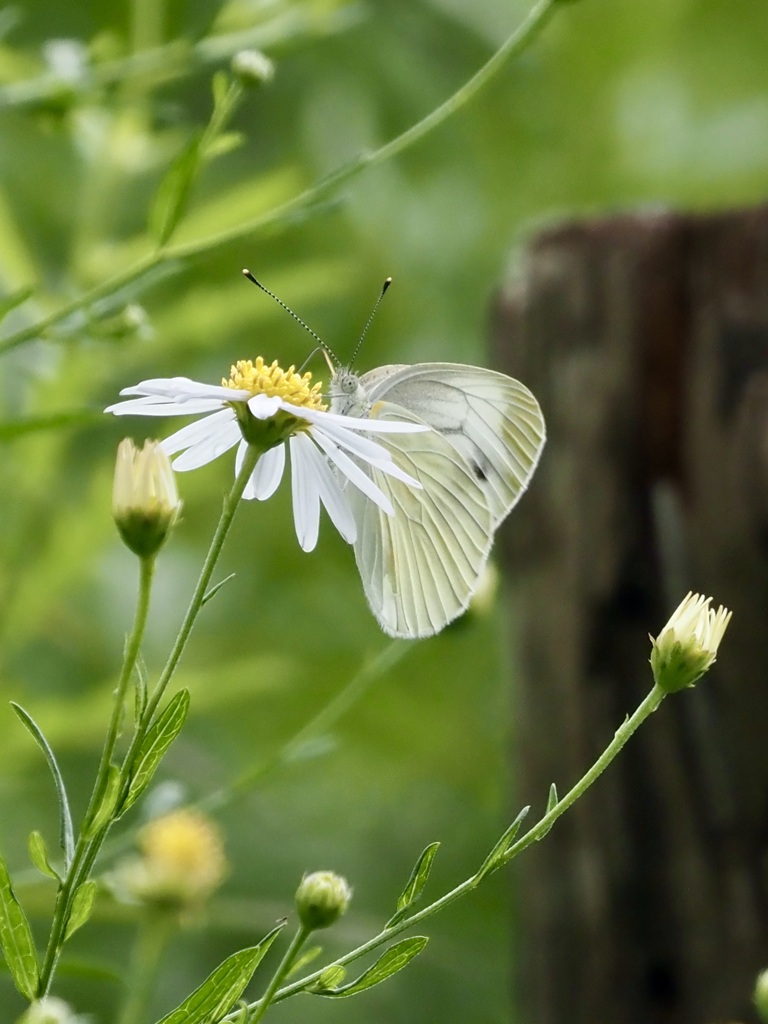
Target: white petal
(163, 407)
(353, 473)
(364, 447)
(197, 431)
(181, 389)
(208, 448)
(268, 473)
(263, 407)
(331, 494)
(306, 499)
(320, 417)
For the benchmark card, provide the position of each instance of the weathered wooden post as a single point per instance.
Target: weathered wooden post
(646, 339)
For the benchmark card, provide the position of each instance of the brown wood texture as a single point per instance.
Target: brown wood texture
(645, 338)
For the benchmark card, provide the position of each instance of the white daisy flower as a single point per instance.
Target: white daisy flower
(271, 408)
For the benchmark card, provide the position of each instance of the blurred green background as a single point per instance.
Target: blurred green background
(616, 104)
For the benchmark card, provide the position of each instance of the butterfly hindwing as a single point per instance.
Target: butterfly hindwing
(420, 566)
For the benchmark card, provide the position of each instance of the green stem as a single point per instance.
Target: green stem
(196, 603)
(154, 934)
(327, 717)
(88, 845)
(622, 734)
(516, 42)
(257, 1010)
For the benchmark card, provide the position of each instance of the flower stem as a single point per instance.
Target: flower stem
(196, 603)
(154, 933)
(88, 844)
(257, 1011)
(538, 831)
(517, 41)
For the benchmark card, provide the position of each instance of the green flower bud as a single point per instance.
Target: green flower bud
(252, 67)
(145, 502)
(687, 646)
(321, 898)
(761, 996)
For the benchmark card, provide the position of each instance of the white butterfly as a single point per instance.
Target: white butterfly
(421, 566)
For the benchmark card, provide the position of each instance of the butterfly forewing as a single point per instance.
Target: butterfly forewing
(493, 421)
(420, 566)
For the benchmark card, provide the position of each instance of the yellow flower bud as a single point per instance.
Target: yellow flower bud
(182, 862)
(145, 502)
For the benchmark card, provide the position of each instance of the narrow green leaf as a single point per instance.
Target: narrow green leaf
(416, 883)
(38, 853)
(66, 832)
(222, 989)
(220, 88)
(140, 690)
(216, 588)
(304, 960)
(105, 812)
(496, 857)
(82, 905)
(154, 746)
(172, 196)
(553, 798)
(10, 302)
(395, 959)
(16, 939)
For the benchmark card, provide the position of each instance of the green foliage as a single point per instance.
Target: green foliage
(393, 960)
(122, 246)
(16, 939)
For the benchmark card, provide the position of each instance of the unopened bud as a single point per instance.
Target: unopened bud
(252, 67)
(687, 646)
(321, 898)
(145, 502)
(761, 996)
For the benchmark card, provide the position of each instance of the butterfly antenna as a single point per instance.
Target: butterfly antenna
(386, 285)
(296, 317)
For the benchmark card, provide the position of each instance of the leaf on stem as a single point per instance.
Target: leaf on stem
(10, 302)
(172, 196)
(216, 588)
(105, 812)
(498, 854)
(66, 832)
(82, 905)
(222, 989)
(140, 690)
(16, 939)
(155, 745)
(393, 960)
(412, 892)
(38, 854)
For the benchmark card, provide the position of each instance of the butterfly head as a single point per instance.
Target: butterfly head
(348, 397)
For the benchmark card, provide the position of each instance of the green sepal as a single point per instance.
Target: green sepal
(155, 745)
(16, 939)
(82, 906)
(393, 960)
(222, 989)
(498, 855)
(38, 854)
(66, 832)
(412, 892)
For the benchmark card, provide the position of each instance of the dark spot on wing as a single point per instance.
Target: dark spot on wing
(479, 471)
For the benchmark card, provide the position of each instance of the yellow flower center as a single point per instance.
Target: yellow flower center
(260, 379)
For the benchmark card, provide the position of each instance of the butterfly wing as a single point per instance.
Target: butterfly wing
(420, 566)
(492, 420)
